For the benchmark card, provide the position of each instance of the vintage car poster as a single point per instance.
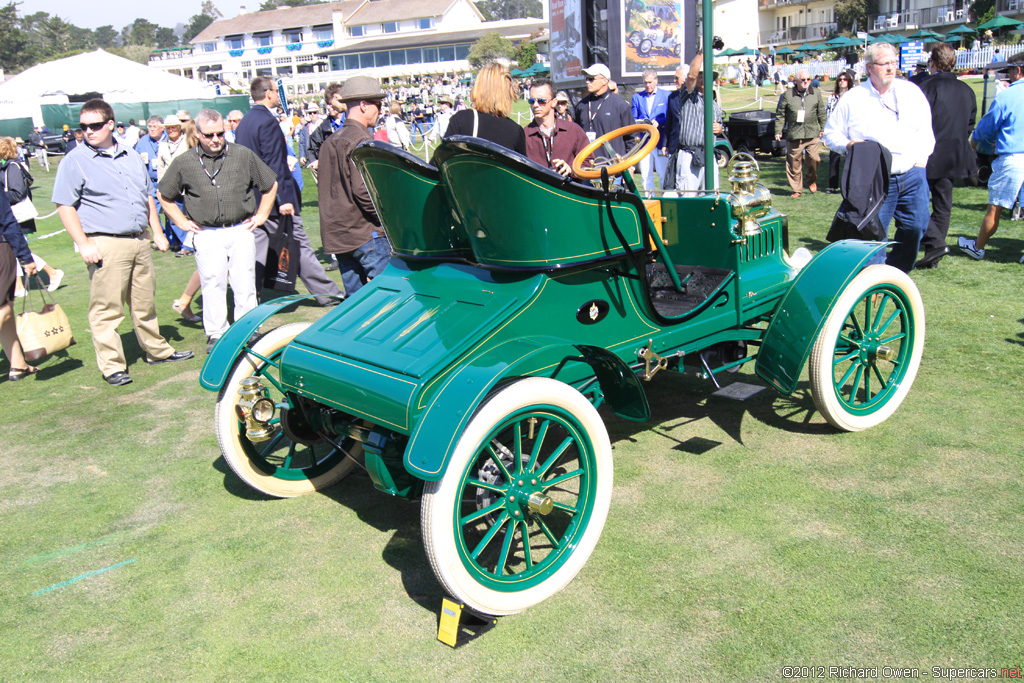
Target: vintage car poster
(653, 31)
(566, 40)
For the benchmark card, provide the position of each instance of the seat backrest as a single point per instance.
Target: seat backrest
(411, 203)
(519, 214)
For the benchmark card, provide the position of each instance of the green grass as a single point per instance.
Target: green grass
(743, 537)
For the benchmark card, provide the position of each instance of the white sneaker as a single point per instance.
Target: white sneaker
(19, 294)
(55, 281)
(967, 246)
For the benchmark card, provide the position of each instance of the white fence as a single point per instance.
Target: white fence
(975, 59)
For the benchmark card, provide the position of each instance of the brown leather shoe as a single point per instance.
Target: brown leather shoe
(813, 187)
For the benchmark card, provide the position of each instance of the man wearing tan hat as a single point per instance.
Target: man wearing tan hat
(349, 224)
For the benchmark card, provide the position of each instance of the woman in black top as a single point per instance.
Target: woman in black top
(493, 95)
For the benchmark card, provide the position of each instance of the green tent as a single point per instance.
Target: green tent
(961, 29)
(927, 36)
(1000, 22)
(785, 51)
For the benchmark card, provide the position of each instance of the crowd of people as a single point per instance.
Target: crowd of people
(220, 188)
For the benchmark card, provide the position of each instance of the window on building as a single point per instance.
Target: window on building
(390, 27)
(397, 57)
(284, 71)
(429, 55)
(414, 56)
(366, 60)
(323, 32)
(425, 23)
(268, 72)
(338, 63)
(209, 47)
(381, 59)
(293, 36)
(357, 31)
(306, 68)
(263, 39)
(234, 42)
(351, 62)
(446, 53)
(462, 51)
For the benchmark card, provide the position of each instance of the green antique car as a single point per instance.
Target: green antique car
(469, 374)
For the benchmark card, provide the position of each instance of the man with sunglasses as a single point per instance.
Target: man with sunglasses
(234, 118)
(549, 141)
(1000, 129)
(349, 223)
(260, 132)
(219, 183)
(602, 111)
(104, 199)
(895, 114)
(802, 111)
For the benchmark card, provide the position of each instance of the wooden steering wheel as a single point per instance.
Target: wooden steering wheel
(615, 166)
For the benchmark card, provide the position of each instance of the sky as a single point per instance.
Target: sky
(101, 12)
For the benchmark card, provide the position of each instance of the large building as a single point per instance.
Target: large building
(760, 23)
(308, 47)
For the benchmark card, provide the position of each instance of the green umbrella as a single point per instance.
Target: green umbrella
(785, 51)
(804, 47)
(999, 22)
(727, 52)
(953, 39)
(892, 38)
(822, 46)
(516, 73)
(963, 28)
(746, 51)
(928, 36)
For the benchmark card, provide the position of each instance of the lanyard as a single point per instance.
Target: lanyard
(590, 110)
(213, 176)
(548, 143)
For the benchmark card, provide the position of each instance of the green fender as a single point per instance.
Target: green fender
(222, 358)
(437, 431)
(802, 312)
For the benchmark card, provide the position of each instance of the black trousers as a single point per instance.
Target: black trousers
(942, 204)
(834, 171)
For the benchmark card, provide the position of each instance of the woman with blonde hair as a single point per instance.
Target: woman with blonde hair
(493, 95)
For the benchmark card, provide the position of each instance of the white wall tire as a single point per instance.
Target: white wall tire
(279, 467)
(854, 382)
(510, 574)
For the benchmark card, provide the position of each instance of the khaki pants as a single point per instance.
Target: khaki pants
(126, 277)
(795, 150)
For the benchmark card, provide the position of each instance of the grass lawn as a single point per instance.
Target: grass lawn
(743, 537)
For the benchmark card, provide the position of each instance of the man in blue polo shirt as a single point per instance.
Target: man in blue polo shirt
(1001, 130)
(104, 199)
(148, 146)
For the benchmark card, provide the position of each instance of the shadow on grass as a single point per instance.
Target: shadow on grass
(1020, 336)
(680, 400)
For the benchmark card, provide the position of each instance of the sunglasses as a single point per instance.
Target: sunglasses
(538, 100)
(590, 79)
(93, 126)
(210, 136)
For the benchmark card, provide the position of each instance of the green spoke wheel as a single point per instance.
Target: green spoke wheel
(281, 466)
(523, 500)
(868, 352)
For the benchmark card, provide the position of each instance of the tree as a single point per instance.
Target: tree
(136, 53)
(57, 35)
(496, 10)
(165, 38)
(81, 38)
(139, 32)
(848, 12)
(526, 54)
(209, 10)
(489, 47)
(195, 26)
(16, 52)
(274, 4)
(105, 37)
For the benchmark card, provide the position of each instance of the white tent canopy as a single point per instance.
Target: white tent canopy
(115, 78)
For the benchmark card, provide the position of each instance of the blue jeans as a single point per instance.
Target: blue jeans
(907, 202)
(365, 263)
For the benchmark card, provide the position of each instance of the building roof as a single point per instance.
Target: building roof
(397, 41)
(277, 19)
(379, 11)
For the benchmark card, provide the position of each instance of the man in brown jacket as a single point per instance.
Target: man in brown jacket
(349, 224)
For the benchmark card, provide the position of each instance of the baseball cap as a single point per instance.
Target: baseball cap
(598, 70)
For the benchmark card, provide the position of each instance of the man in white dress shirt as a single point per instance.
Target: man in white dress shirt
(895, 114)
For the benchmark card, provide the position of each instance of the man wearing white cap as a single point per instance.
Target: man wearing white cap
(602, 111)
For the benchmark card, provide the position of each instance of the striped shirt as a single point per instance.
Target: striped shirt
(686, 120)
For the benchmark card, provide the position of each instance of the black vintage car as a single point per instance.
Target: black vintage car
(754, 131)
